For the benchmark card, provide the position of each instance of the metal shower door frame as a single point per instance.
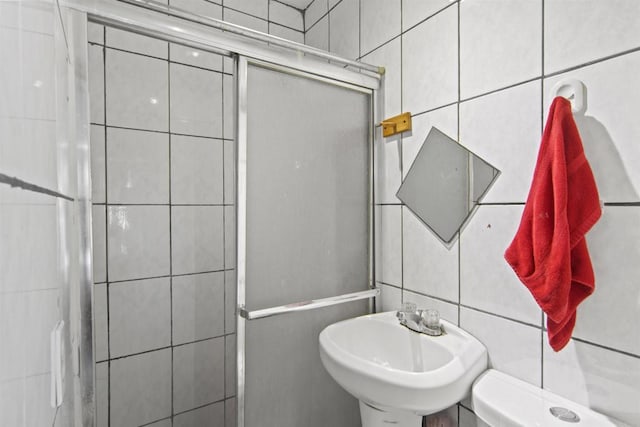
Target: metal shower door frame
(242, 64)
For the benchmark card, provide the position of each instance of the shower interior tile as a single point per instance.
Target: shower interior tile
(96, 84)
(100, 322)
(207, 416)
(230, 365)
(438, 60)
(102, 394)
(285, 15)
(140, 388)
(414, 11)
(198, 307)
(343, 34)
(491, 37)
(245, 20)
(316, 10)
(230, 408)
(230, 293)
(197, 239)
(198, 374)
(161, 423)
(138, 242)
(196, 101)
(132, 42)
(196, 170)
(189, 55)
(95, 33)
(138, 170)
(139, 316)
(229, 237)
(99, 244)
(138, 91)
(318, 35)
(581, 32)
(379, 23)
(229, 108)
(229, 172)
(487, 282)
(513, 348)
(98, 178)
(286, 33)
(258, 8)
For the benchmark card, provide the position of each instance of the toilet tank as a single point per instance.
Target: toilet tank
(503, 401)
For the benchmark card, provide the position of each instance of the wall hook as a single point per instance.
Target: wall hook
(396, 124)
(575, 91)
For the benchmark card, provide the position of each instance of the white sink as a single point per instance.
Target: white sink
(393, 369)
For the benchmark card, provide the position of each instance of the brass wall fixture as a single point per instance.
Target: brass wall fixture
(396, 124)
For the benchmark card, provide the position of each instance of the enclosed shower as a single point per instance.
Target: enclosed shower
(223, 214)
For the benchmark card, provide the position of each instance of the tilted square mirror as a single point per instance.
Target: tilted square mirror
(445, 184)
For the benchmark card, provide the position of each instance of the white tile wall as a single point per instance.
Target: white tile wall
(197, 239)
(488, 61)
(196, 170)
(207, 416)
(344, 36)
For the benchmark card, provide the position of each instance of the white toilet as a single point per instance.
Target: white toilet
(503, 401)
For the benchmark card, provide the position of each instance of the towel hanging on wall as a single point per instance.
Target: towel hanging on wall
(549, 252)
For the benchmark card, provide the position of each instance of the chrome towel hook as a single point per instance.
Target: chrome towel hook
(575, 91)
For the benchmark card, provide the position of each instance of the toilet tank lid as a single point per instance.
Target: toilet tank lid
(502, 400)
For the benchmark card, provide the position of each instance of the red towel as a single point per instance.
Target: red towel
(549, 252)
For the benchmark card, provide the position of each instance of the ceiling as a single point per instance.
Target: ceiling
(298, 4)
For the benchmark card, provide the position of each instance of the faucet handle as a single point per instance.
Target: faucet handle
(431, 318)
(409, 307)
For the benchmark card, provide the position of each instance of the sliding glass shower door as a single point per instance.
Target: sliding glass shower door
(304, 229)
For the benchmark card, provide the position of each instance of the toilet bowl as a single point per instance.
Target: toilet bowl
(503, 401)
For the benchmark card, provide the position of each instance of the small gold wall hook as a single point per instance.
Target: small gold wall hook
(396, 124)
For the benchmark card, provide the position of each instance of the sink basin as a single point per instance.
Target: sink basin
(389, 367)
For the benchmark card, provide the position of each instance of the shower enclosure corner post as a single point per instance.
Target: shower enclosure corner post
(241, 67)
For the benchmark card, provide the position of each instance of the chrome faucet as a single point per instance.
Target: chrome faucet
(422, 321)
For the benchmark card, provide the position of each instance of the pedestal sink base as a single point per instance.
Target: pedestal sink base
(373, 417)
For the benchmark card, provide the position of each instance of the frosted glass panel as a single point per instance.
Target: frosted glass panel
(307, 237)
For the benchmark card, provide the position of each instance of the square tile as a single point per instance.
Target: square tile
(95, 33)
(229, 172)
(389, 244)
(379, 23)
(245, 20)
(603, 380)
(98, 174)
(138, 167)
(286, 33)
(189, 55)
(318, 35)
(137, 88)
(487, 282)
(230, 408)
(288, 16)
(207, 416)
(258, 8)
(433, 46)
(230, 298)
(140, 388)
(608, 130)
(139, 316)
(100, 322)
(616, 271)
(196, 170)
(98, 223)
(136, 43)
(102, 394)
(196, 101)
(198, 374)
(499, 45)
(513, 348)
(229, 237)
(415, 11)
(344, 38)
(388, 167)
(428, 267)
(388, 56)
(198, 307)
(138, 241)
(96, 84)
(197, 239)
(314, 11)
(163, 423)
(448, 311)
(229, 108)
(504, 129)
(580, 32)
(230, 365)
(390, 298)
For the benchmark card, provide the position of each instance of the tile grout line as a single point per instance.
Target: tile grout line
(170, 230)
(214, 138)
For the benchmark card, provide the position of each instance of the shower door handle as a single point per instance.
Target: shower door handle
(308, 305)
